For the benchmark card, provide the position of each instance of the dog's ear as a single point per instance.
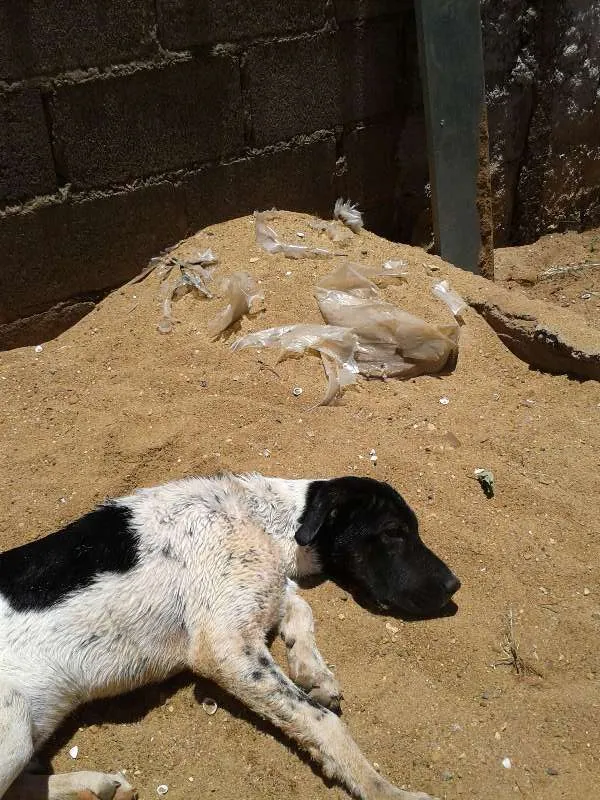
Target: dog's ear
(320, 505)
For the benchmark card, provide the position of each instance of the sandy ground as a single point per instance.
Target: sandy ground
(112, 404)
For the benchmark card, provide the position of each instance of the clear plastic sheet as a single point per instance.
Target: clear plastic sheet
(336, 345)
(268, 240)
(452, 299)
(244, 296)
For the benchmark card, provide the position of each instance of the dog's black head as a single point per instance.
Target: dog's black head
(367, 536)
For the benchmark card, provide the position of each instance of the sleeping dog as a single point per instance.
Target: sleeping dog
(195, 574)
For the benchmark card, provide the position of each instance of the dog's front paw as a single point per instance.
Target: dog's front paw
(326, 691)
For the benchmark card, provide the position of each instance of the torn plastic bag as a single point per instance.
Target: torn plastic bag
(168, 292)
(269, 241)
(348, 214)
(197, 277)
(336, 346)
(206, 258)
(391, 342)
(244, 297)
(451, 298)
(359, 279)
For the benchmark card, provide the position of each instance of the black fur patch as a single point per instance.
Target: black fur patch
(40, 574)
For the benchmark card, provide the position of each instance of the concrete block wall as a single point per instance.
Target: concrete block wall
(127, 124)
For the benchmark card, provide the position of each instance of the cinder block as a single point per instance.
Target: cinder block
(371, 161)
(369, 68)
(299, 178)
(109, 131)
(48, 36)
(71, 248)
(348, 10)
(186, 23)
(26, 165)
(293, 88)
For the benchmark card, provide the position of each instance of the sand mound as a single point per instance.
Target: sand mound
(113, 404)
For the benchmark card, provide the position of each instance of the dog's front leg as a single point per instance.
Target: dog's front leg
(307, 667)
(247, 670)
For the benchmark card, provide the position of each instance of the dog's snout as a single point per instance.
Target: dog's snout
(451, 584)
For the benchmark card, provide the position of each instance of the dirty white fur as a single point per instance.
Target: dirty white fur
(217, 556)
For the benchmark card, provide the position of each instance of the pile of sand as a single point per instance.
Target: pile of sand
(112, 404)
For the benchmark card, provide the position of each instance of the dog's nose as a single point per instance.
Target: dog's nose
(451, 584)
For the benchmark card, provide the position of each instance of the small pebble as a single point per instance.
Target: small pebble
(444, 401)
(585, 295)
(297, 391)
(373, 457)
(162, 789)
(341, 616)
(38, 348)
(447, 775)
(391, 628)
(74, 752)
(551, 771)
(506, 763)
(299, 234)
(586, 591)
(266, 453)
(254, 259)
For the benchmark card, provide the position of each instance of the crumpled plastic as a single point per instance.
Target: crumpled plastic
(361, 280)
(452, 299)
(349, 214)
(244, 298)
(391, 342)
(268, 240)
(336, 345)
(336, 232)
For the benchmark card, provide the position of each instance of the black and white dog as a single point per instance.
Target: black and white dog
(195, 574)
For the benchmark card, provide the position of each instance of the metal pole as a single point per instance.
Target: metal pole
(451, 59)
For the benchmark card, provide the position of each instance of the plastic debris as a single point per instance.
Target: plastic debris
(336, 345)
(359, 279)
(448, 296)
(162, 789)
(74, 752)
(267, 239)
(506, 763)
(486, 481)
(210, 706)
(396, 266)
(373, 457)
(336, 232)
(348, 214)
(205, 258)
(391, 342)
(244, 298)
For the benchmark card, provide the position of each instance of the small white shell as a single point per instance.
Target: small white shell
(210, 706)
(297, 391)
(162, 789)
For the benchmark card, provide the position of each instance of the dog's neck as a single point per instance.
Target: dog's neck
(277, 505)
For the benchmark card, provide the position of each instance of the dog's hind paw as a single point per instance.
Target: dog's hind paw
(90, 786)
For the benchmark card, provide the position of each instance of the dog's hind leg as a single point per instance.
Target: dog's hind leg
(16, 751)
(307, 667)
(249, 672)
(16, 742)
